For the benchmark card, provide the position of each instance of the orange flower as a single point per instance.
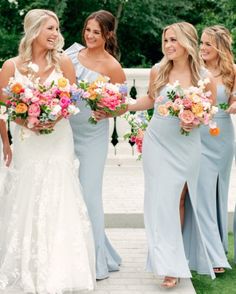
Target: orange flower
(67, 94)
(16, 88)
(214, 131)
(21, 108)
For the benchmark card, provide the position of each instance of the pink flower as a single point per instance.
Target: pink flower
(32, 121)
(64, 102)
(163, 110)
(34, 110)
(187, 103)
(65, 113)
(186, 116)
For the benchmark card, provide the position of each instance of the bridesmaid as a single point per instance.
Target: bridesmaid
(217, 152)
(98, 57)
(6, 149)
(234, 228)
(171, 165)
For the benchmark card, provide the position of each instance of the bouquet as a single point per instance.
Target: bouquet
(38, 103)
(192, 106)
(138, 122)
(102, 95)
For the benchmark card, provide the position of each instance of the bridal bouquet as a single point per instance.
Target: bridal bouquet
(40, 103)
(102, 95)
(138, 123)
(192, 106)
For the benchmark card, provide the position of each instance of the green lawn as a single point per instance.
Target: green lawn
(223, 284)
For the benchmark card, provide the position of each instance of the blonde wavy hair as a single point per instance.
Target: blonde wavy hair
(187, 37)
(220, 36)
(33, 21)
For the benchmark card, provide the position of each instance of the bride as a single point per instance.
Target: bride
(46, 244)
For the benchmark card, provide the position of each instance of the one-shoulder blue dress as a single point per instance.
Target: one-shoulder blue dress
(91, 147)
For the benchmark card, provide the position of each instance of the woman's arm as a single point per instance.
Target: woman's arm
(6, 73)
(147, 101)
(7, 153)
(232, 99)
(68, 68)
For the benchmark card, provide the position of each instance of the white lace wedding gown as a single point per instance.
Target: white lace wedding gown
(46, 244)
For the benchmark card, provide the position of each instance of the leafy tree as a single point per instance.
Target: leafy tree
(139, 22)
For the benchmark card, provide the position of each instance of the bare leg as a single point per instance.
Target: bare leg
(181, 204)
(171, 282)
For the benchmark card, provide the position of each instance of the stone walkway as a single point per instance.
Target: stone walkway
(132, 278)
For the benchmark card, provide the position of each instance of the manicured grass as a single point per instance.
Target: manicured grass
(224, 283)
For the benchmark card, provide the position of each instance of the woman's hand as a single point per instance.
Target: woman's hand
(232, 108)
(7, 154)
(186, 127)
(100, 114)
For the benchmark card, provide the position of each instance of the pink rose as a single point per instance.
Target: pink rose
(187, 103)
(34, 110)
(64, 102)
(186, 116)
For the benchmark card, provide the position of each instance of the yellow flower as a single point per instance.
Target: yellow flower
(62, 82)
(197, 109)
(93, 95)
(21, 108)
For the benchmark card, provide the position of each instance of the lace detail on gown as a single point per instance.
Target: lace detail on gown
(46, 243)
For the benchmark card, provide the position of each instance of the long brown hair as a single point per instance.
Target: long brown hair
(107, 23)
(222, 38)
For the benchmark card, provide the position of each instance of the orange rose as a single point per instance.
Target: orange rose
(16, 88)
(214, 131)
(21, 108)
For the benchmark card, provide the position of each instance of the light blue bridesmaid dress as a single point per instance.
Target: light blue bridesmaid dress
(235, 234)
(234, 226)
(91, 147)
(170, 160)
(213, 184)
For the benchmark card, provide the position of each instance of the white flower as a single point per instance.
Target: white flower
(3, 112)
(28, 93)
(34, 67)
(72, 109)
(112, 87)
(206, 81)
(56, 110)
(176, 84)
(212, 124)
(214, 109)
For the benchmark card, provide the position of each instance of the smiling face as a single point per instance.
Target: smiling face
(172, 48)
(93, 35)
(208, 48)
(48, 35)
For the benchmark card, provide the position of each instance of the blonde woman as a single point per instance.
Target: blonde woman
(171, 165)
(46, 243)
(217, 152)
